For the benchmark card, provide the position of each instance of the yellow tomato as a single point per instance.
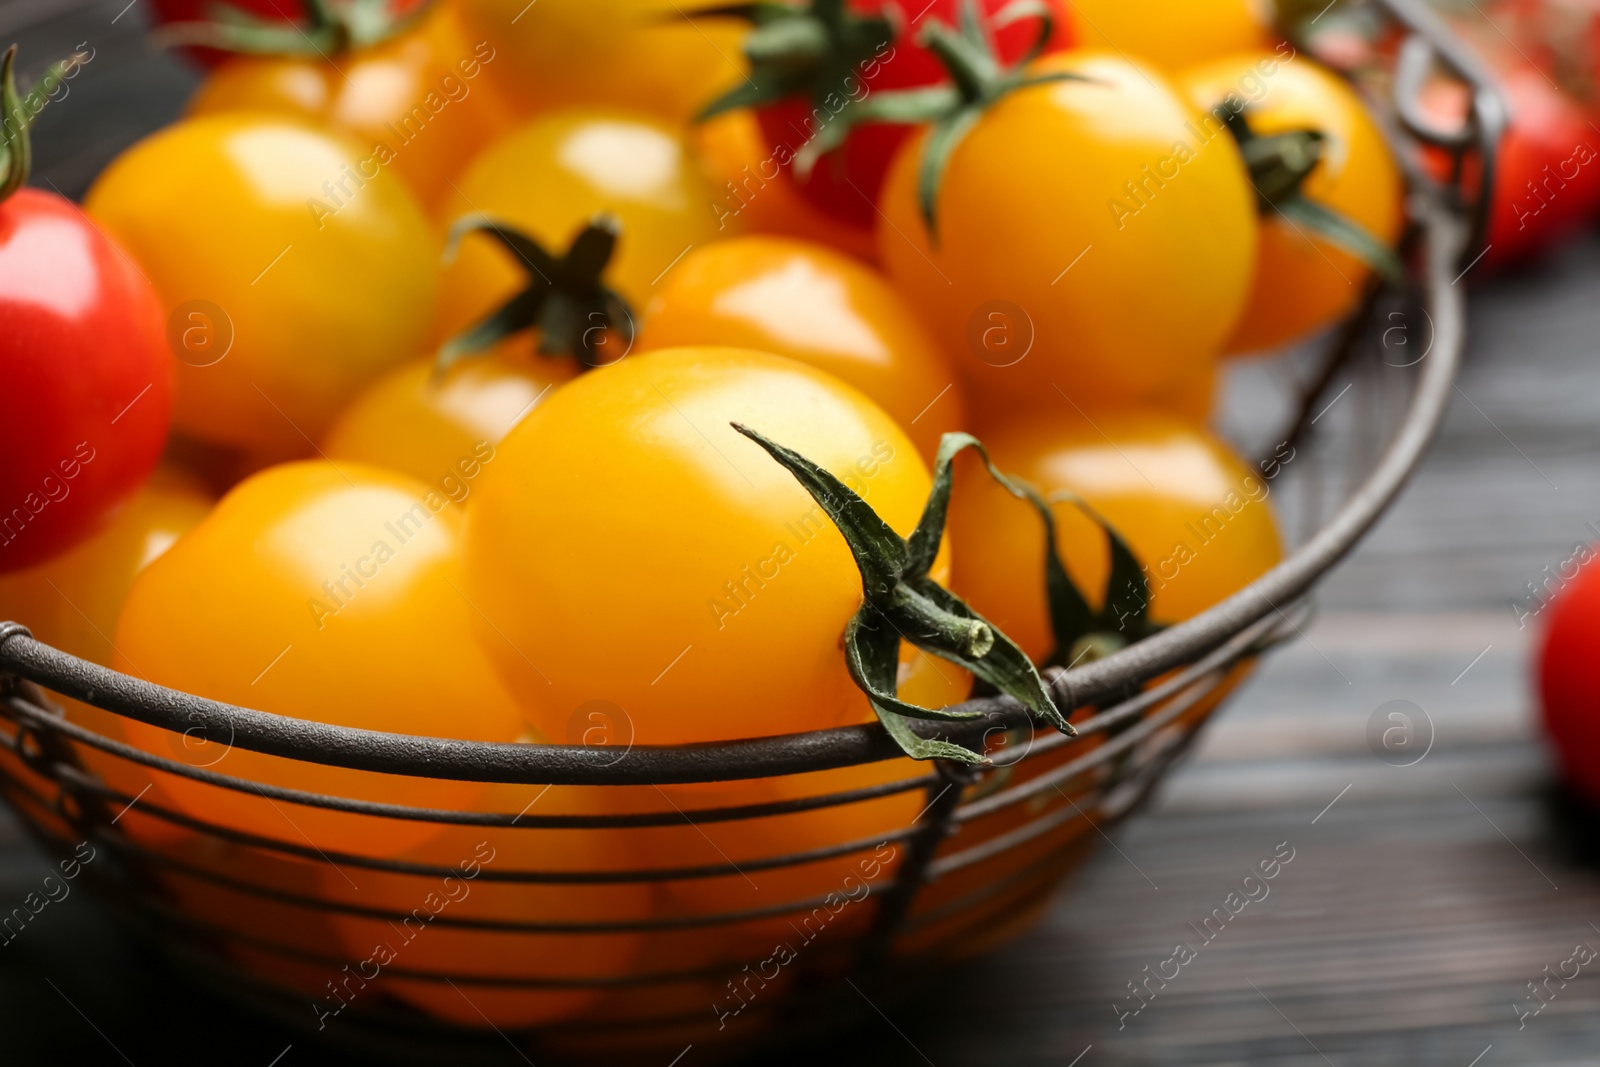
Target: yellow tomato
(664, 532)
(551, 177)
(72, 600)
(281, 304)
(1172, 34)
(234, 888)
(1303, 282)
(416, 102)
(752, 193)
(1191, 396)
(924, 680)
(809, 303)
(1091, 241)
(323, 593)
(442, 429)
(1194, 514)
(626, 53)
(478, 853)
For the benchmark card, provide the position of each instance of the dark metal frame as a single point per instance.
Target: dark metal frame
(1144, 690)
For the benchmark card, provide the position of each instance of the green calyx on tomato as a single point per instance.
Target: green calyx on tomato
(1083, 635)
(807, 51)
(900, 601)
(16, 116)
(978, 79)
(331, 28)
(566, 298)
(1279, 165)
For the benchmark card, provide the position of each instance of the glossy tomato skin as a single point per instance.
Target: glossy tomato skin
(1303, 283)
(1095, 241)
(1173, 34)
(418, 102)
(1569, 685)
(551, 176)
(309, 294)
(653, 515)
(1195, 515)
(846, 183)
(442, 429)
(636, 54)
(801, 300)
(87, 394)
(323, 593)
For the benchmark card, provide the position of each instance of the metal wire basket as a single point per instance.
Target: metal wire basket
(946, 862)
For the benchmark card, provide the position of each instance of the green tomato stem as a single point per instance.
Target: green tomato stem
(1279, 165)
(566, 300)
(330, 29)
(18, 150)
(900, 602)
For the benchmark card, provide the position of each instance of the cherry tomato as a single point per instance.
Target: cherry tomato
(924, 680)
(416, 102)
(1547, 170)
(1094, 241)
(416, 945)
(282, 300)
(232, 888)
(1173, 34)
(1193, 513)
(1569, 686)
(1303, 282)
(737, 587)
(72, 600)
(442, 429)
(324, 593)
(552, 176)
(88, 381)
(801, 300)
(1191, 396)
(752, 195)
(638, 54)
(1548, 173)
(847, 181)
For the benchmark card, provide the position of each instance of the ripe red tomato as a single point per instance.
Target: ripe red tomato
(845, 182)
(87, 394)
(1547, 173)
(1548, 179)
(1569, 680)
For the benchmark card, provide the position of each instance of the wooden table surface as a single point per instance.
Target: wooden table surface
(1420, 902)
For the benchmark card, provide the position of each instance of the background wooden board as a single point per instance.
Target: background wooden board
(1417, 906)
